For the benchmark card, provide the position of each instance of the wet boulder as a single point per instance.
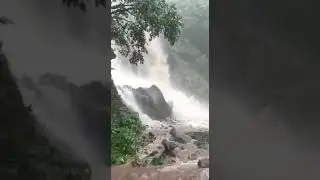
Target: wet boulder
(179, 136)
(169, 147)
(152, 102)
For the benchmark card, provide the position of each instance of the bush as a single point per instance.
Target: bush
(158, 161)
(126, 134)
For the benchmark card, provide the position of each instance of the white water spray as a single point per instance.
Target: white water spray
(187, 111)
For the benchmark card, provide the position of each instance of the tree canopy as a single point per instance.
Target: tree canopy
(135, 22)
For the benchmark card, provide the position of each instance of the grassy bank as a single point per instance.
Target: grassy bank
(126, 131)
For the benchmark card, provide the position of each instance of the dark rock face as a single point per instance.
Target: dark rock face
(152, 102)
(25, 153)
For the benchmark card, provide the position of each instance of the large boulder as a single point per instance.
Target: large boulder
(169, 147)
(180, 137)
(152, 102)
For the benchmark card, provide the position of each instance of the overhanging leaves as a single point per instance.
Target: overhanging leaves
(133, 19)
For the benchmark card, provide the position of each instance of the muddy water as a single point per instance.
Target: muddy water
(168, 173)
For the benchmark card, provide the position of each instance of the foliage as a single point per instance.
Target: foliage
(189, 57)
(196, 28)
(133, 19)
(126, 134)
(158, 160)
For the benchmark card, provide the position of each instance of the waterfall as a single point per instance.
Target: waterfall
(187, 110)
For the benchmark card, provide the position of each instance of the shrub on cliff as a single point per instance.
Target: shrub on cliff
(126, 131)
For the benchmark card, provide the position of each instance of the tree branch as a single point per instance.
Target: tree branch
(121, 6)
(122, 11)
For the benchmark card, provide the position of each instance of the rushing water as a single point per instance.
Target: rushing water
(187, 110)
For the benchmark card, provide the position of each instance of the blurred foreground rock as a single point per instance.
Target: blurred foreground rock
(24, 152)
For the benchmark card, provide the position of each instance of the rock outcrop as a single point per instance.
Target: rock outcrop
(152, 102)
(169, 147)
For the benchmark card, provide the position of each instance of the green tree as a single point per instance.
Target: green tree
(133, 19)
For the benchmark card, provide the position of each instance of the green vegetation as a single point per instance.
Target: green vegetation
(150, 160)
(126, 131)
(189, 57)
(126, 134)
(158, 160)
(133, 19)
